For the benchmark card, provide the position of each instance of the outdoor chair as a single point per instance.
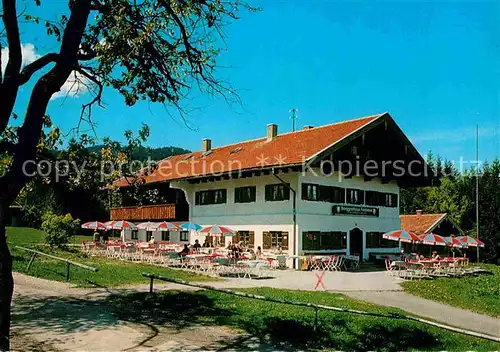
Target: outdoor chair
(330, 263)
(261, 269)
(317, 264)
(390, 269)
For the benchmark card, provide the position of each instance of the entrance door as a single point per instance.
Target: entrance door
(356, 242)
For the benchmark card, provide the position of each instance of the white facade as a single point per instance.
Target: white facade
(261, 216)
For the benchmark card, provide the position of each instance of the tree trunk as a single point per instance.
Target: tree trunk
(6, 282)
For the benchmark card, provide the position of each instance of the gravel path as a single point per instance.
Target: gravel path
(457, 317)
(55, 316)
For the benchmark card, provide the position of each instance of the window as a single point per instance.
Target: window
(355, 196)
(244, 194)
(310, 191)
(372, 198)
(277, 192)
(212, 196)
(247, 237)
(391, 200)
(315, 240)
(375, 240)
(184, 235)
(135, 234)
(275, 239)
(330, 194)
(338, 195)
(165, 236)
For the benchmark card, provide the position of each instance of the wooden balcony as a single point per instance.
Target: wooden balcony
(147, 212)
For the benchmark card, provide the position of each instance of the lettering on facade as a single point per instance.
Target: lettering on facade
(354, 210)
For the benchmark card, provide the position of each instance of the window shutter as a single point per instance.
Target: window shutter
(236, 237)
(284, 240)
(268, 192)
(304, 191)
(286, 192)
(251, 239)
(266, 240)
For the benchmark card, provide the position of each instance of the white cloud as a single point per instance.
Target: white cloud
(74, 87)
(28, 52)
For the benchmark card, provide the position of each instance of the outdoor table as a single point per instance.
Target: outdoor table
(398, 264)
(353, 260)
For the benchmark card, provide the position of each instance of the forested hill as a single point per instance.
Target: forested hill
(143, 153)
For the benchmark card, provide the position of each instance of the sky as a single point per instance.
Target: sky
(434, 66)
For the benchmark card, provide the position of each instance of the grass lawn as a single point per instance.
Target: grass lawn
(290, 327)
(111, 272)
(480, 294)
(25, 236)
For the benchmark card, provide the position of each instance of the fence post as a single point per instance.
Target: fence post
(151, 284)
(31, 262)
(67, 271)
(315, 327)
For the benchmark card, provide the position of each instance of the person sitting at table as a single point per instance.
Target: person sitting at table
(196, 245)
(229, 246)
(152, 239)
(258, 254)
(206, 244)
(185, 251)
(236, 252)
(435, 255)
(420, 257)
(252, 254)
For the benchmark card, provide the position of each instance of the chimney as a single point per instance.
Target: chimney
(272, 131)
(308, 127)
(206, 145)
(419, 212)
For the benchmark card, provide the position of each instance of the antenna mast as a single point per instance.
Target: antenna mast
(293, 117)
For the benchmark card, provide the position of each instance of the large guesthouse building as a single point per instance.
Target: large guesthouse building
(328, 189)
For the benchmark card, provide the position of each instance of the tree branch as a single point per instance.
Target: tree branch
(10, 85)
(45, 87)
(36, 65)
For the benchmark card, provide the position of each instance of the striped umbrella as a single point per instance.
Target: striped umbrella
(122, 224)
(452, 241)
(432, 239)
(402, 236)
(94, 225)
(217, 231)
(470, 241)
(148, 226)
(166, 226)
(189, 226)
(109, 224)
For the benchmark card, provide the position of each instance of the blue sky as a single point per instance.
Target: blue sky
(433, 66)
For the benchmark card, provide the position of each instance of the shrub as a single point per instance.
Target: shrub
(59, 228)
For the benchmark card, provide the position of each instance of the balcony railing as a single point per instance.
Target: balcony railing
(147, 212)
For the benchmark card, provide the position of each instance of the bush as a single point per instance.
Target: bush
(59, 228)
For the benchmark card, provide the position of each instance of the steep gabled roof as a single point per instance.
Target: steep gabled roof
(287, 149)
(423, 223)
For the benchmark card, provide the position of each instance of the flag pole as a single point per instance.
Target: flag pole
(477, 188)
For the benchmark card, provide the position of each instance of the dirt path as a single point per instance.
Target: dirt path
(50, 316)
